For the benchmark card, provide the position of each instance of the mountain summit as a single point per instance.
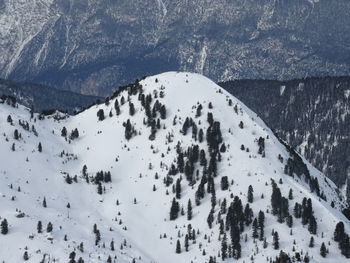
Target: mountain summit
(169, 169)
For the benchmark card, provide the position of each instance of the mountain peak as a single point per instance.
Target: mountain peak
(171, 162)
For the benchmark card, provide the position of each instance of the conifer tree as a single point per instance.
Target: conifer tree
(178, 247)
(40, 148)
(100, 115)
(4, 227)
(210, 218)
(49, 227)
(255, 229)
(250, 194)
(39, 227)
(174, 210)
(25, 256)
(312, 242)
(224, 248)
(64, 132)
(189, 210)
(186, 243)
(323, 250)
(276, 240)
(44, 202)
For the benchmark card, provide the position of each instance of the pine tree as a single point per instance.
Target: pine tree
(39, 227)
(100, 115)
(178, 189)
(131, 109)
(44, 203)
(323, 250)
(276, 240)
(186, 242)
(112, 245)
(250, 194)
(339, 232)
(312, 242)
(290, 195)
(25, 256)
(224, 183)
(178, 247)
(49, 227)
(64, 132)
(99, 188)
(255, 229)
(4, 227)
(210, 218)
(189, 210)
(40, 148)
(174, 210)
(261, 221)
(224, 248)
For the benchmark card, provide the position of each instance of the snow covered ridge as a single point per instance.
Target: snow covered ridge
(170, 169)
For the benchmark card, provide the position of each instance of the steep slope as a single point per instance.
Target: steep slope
(312, 115)
(151, 156)
(45, 98)
(93, 46)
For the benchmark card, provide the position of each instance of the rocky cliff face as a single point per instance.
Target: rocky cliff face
(94, 46)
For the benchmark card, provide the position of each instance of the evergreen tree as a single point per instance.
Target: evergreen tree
(4, 227)
(339, 232)
(186, 242)
(224, 183)
(250, 194)
(323, 250)
(255, 229)
(189, 210)
(290, 195)
(49, 227)
(25, 256)
(64, 132)
(276, 240)
(44, 203)
(261, 221)
(131, 109)
(178, 189)
(100, 115)
(40, 148)
(39, 227)
(224, 248)
(312, 242)
(210, 218)
(174, 210)
(178, 247)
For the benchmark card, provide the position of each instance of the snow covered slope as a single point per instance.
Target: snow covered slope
(155, 161)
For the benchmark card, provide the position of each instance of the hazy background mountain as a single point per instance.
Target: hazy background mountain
(94, 46)
(39, 97)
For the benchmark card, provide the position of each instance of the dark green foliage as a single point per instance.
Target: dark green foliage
(323, 250)
(276, 240)
(178, 247)
(49, 227)
(189, 210)
(4, 227)
(250, 194)
(174, 210)
(224, 183)
(100, 115)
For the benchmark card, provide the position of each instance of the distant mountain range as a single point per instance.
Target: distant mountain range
(40, 97)
(94, 46)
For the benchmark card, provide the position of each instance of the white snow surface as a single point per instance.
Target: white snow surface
(102, 146)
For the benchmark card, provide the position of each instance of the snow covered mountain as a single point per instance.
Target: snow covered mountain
(94, 46)
(170, 169)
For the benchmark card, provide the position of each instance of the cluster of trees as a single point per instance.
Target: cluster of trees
(343, 239)
(305, 212)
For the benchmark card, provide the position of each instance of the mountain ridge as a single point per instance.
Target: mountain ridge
(126, 167)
